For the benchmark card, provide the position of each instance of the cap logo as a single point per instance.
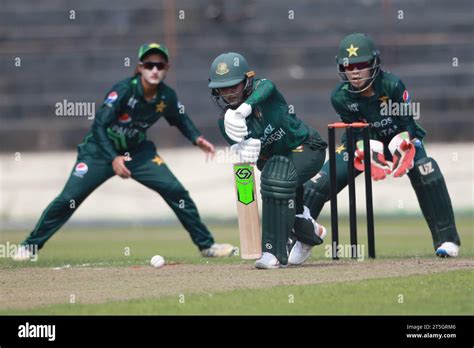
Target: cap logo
(154, 45)
(352, 50)
(222, 69)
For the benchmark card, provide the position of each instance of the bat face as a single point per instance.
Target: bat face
(247, 212)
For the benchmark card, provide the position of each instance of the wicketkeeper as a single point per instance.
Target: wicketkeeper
(396, 144)
(261, 128)
(117, 145)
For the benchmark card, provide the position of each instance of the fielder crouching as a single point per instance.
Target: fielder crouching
(366, 94)
(260, 127)
(117, 145)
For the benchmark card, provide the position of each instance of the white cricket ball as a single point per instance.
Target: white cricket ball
(157, 261)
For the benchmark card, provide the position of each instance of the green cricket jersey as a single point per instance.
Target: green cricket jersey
(121, 123)
(384, 110)
(271, 121)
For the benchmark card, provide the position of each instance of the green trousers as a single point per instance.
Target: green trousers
(147, 168)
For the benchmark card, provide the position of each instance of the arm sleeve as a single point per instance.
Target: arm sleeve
(407, 122)
(346, 117)
(106, 115)
(181, 120)
(262, 90)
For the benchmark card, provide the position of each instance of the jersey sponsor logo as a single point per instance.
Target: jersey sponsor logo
(406, 96)
(111, 98)
(124, 131)
(385, 126)
(81, 170)
(125, 118)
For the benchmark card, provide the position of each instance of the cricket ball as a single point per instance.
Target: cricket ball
(157, 261)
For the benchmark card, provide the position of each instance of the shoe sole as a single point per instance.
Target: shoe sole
(443, 253)
(263, 266)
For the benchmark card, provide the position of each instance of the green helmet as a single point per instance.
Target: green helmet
(227, 70)
(358, 48)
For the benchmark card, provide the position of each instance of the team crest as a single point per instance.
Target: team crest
(222, 69)
(81, 169)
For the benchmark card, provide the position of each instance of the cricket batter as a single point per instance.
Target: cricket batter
(261, 128)
(117, 145)
(364, 95)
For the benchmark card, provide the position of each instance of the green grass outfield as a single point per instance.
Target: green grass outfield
(447, 292)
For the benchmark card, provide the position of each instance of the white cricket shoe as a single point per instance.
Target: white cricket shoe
(447, 249)
(219, 250)
(268, 261)
(23, 254)
(301, 251)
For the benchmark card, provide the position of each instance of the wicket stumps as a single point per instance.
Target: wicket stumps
(349, 127)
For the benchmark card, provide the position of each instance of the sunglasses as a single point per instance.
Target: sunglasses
(359, 66)
(151, 65)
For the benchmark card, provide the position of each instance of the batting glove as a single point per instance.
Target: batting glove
(247, 151)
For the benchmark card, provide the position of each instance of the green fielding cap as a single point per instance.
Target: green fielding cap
(152, 47)
(356, 48)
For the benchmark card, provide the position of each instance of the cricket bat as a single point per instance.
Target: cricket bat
(247, 212)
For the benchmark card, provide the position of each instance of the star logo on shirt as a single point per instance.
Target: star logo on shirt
(384, 99)
(340, 149)
(158, 160)
(352, 50)
(160, 107)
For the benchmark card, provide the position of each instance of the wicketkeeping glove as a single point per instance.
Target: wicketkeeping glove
(379, 166)
(247, 151)
(403, 154)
